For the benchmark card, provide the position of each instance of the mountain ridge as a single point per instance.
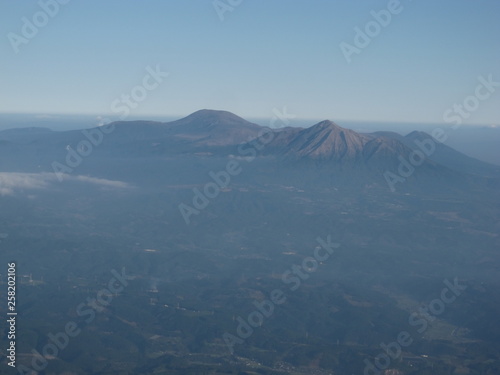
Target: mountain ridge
(215, 133)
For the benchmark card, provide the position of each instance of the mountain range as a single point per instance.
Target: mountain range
(371, 157)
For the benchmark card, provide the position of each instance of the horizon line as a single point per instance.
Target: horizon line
(138, 117)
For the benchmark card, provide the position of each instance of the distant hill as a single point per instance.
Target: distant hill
(452, 158)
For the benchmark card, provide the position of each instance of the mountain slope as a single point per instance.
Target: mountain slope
(213, 128)
(328, 142)
(445, 155)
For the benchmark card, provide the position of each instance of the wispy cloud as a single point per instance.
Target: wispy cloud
(10, 182)
(102, 181)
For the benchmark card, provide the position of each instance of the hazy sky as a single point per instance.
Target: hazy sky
(265, 54)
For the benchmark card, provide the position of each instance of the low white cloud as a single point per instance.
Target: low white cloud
(10, 182)
(102, 181)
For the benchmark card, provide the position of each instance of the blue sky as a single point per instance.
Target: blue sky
(265, 54)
